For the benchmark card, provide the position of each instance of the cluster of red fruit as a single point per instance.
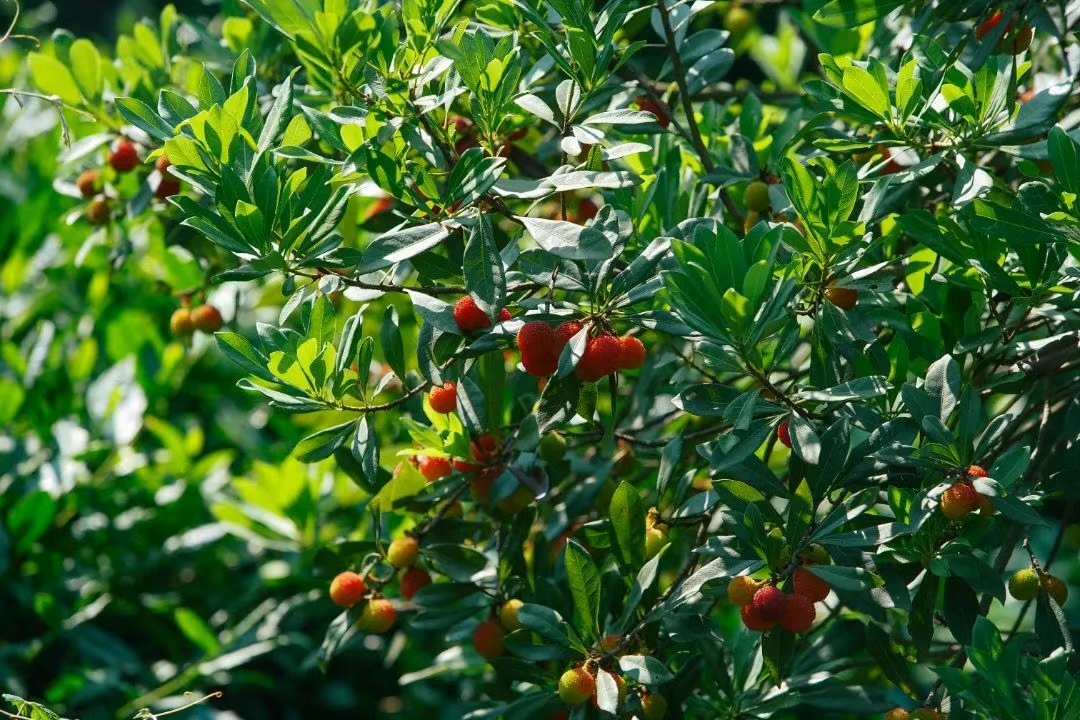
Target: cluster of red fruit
(605, 353)
(578, 685)
(470, 318)
(962, 498)
(1014, 41)
(205, 318)
(764, 605)
(378, 615)
(123, 158)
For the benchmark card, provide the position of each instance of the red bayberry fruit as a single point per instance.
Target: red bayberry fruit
(207, 318)
(799, 615)
(649, 105)
(783, 433)
(88, 183)
(444, 400)
(413, 581)
(181, 324)
(488, 639)
(469, 317)
(480, 486)
(631, 353)
(576, 686)
(752, 619)
(898, 714)
(485, 447)
(959, 500)
(505, 315)
(810, 586)
(167, 188)
(770, 603)
(564, 333)
(435, 468)
(988, 27)
(742, 589)
(974, 472)
(378, 616)
(601, 358)
(843, 298)
(537, 344)
(347, 589)
(125, 157)
(403, 552)
(1055, 588)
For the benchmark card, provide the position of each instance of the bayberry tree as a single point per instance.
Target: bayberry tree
(689, 360)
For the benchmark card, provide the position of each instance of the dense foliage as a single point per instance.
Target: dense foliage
(688, 360)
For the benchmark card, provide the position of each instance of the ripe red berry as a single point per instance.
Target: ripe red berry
(403, 552)
(125, 157)
(444, 400)
(537, 344)
(959, 500)
(649, 105)
(564, 333)
(347, 589)
(378, 616)
(413, 581)
(752, 619)
(99, 212)
(488, 639)
(799, 615)
(601, 358)
(434, 468)
(783, 433)
(770, 603)
(810, 586)
(843, 298)
(167, 188)
(88, 183)
(974, 472)
(469, 317)
(484, 448)
(631, 353)
(207, 318)
(988, 27)
(505, 315)
(480, 486)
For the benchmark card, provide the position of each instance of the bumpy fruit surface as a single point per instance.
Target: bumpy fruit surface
(601, 358)
(347, 589)
(125, 157)
(752, 619)
(810, 586)
(783, 433)
(610, 643)
(656, 537)
(403, 552)
(444, 400)
(648, 105)
(653, 706)
(898, 714)
(378, 616)
(1024, 585)
(508, 614)
(756, 197)
(469, 317)
(741, 590)
(207, 319)
(88, 183)
(576, 686)
(552, 447)
(1055, 588)
(959, 500)
(434, 468)
(98, 212)
(770, 603)
(631, 353)
(181, 323)
(413, 581)
(564, 333)
(799, 615)
(487, 638)
(974, 472)
(841, 297)
(536, 341)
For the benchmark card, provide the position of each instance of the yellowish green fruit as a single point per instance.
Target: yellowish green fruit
(756, 197)
(1024, 585)
(656, 537)
(552, 447)
(403, 552)
(576, 686)
(508, 614)
(653, 706)
(738, 21)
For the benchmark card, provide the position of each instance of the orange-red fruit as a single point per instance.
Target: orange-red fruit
(601, 358)
(770, 603)
(505, 315)
(444, 400)
(752, 619)
(207, 318)
(988, 27)
(576, 686)
(974, 472)
(480, 486)
(843, 298)
(347, 589)
(484, 448)
(648, 105)
(631, 353)
(810, 586)
(413, 581)
(488, 639)
(434, 468)
(799, 615)
(564, 333)
(403, 552)
(898, 714)
(470, 318)
(88, 183)
(125, 157)
(537, 344)
(99, 212)
(959, 500)
(742, 589)
(783, 433)
(181, 324)
(168, 185)
(378, 616)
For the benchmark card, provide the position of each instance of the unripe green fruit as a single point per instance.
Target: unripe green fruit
(738, 21)
(756, 197)
(552, 447)
(816, 555)
(378, 616)
(508, 614)
(576, 686)
(403, 552)
(653, 706)
(656, 537)
(1024, 585)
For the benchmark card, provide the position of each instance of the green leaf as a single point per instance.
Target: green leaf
(484, 274)
(645, 669)
(196, 630)
(143, 117)
(627, 524)
(567, 240)
(800, 511)
(778, 652)
(850, 13)
(86, 67)
(862, 86)
(921, 620)
(53, 78)
(1065, 157)
(960, 606)
(322, 444)
(584, 580)
(889, 659)
(548, 624)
